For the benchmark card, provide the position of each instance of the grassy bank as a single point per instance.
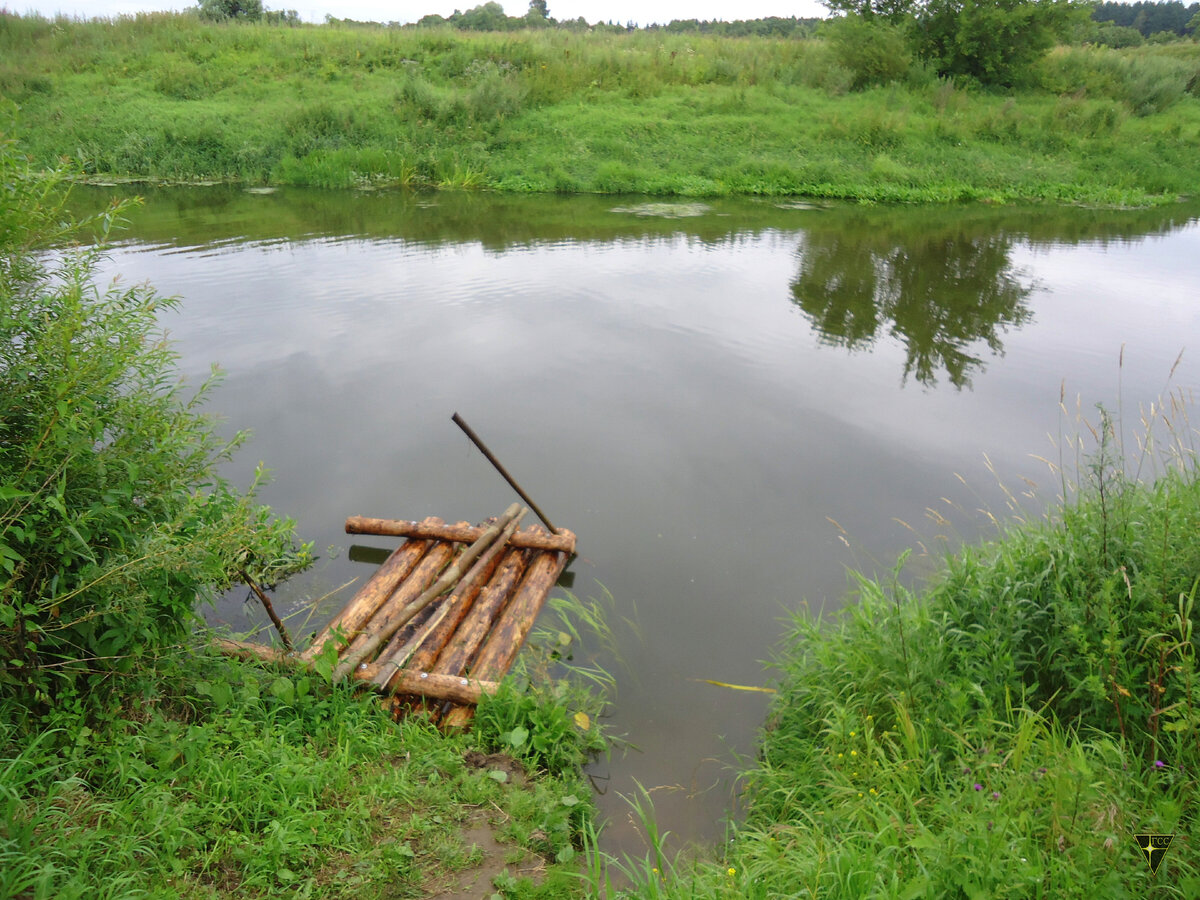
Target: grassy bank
(562, 111)
(1005, 732)
(217, 779)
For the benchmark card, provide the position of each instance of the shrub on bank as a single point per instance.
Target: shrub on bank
(113, 520)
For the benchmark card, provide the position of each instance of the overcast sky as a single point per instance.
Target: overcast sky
(641, 11)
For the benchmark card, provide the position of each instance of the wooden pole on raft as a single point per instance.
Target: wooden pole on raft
(564, 540)
(378, 636)
(266, 602)
(371, 596)
(478, 442)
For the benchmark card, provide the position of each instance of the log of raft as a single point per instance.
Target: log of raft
(358, 612)
(433, 685)
(506, 638)
(419, 650)
(563, 541)
(379, 632)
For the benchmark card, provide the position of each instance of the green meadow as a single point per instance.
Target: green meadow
(173, 97)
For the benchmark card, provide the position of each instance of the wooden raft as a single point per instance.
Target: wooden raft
(468, 608)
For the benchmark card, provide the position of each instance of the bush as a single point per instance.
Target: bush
(113, 521)
(874, 51)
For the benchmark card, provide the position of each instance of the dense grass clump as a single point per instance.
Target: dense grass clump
(1003, 733)
(849, 113)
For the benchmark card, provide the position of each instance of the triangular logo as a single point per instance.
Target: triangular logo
(1154, 846)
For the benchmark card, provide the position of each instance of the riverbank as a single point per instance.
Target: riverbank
(1009, 731)
(560, 111)
(223, 780)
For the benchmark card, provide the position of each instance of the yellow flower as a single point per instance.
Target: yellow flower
(839, 756)
(731, 871)
(853, 733)
(854, 753)
(872, 790)
(860, 795)
(869, 718)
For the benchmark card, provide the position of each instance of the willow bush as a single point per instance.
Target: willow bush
(114, 520)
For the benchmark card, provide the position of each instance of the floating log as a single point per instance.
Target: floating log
(434, 633)
(419, 579)
(533, 540)
(511, 628)
(371, 596)
(473, 630)
(377, 634)
(446, 688)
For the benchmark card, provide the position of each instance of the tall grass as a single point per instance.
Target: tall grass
(1004, 732)
(554, 110)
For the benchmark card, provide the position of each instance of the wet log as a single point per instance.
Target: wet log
(473, 630)
(424, 574)
(379, 632)
(564, 540)
(421, 648)
(374, 593)
(512, 627)
(444, 688)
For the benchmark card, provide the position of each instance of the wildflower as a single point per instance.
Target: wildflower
(977, 786)
(873, 791)
(731, 871)
(995, 795)
(854, 753)
(869, 718)
(1159, 764)
(853, 733)
(966, 770)
(989, 825)
(860, 795)
(839, 756)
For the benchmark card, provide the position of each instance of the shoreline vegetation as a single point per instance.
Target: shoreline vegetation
(844, 109)
(1007, 730)
(135, 761)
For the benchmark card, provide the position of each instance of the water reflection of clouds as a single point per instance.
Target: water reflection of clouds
(656, 385)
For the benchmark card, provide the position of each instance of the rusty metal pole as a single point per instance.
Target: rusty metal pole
(478, 442)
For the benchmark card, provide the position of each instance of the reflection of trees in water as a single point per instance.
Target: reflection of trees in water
(939, 294)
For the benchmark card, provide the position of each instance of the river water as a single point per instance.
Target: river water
(732, 403)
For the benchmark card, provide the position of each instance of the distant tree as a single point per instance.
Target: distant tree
(891, 10)
(1149, 17)
(486, 17)
(219, 10)
(994, 42)
(539, 9)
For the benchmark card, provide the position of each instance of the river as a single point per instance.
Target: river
(732, 403)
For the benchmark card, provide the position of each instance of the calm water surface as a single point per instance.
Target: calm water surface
(696, 390)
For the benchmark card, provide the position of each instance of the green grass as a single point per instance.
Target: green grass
(220, 779)
(1004, 732)
(552, 110)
